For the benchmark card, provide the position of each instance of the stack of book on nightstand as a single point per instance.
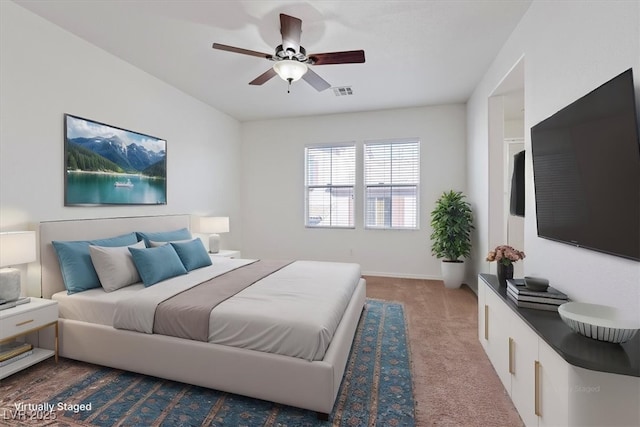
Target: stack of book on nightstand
(539, 300)
(14, 351)
(10, 304)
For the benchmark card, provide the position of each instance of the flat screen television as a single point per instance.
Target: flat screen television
(516, 206)
(586, 167)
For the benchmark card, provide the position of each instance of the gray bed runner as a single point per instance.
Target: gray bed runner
(186, 315)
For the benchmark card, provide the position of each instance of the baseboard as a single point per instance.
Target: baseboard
(414, 276)
(401, 275)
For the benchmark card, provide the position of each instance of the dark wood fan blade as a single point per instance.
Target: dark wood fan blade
(242, 51)
(316, 81)
(346, 57)
(264, 77)
(290, 28)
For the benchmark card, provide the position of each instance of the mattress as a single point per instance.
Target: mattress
(94, 305)
(293, 312)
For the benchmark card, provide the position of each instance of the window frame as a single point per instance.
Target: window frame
(390, 185)
(331, 186)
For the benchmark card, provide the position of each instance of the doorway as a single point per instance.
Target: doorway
(506, 138)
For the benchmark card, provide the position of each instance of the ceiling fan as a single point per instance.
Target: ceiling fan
(291, 59)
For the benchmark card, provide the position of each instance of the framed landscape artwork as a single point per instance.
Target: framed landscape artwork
(106, 165)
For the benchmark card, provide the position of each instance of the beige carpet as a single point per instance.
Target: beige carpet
(454, 382)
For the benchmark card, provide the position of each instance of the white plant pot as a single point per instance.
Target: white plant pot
(452, 274)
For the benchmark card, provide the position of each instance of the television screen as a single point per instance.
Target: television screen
(586, 165)
(516, 206)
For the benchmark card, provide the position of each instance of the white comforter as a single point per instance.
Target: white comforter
(294, 311)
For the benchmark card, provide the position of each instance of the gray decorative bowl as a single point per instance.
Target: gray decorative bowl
(536, 283)
(600, 322)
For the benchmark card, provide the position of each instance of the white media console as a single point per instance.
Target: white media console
(556, 377)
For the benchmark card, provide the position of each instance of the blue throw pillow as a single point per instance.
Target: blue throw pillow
(77, 269)
(157, 264)
(192, 254)
(164, 236)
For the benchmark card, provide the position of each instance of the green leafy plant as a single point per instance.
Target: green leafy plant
(451, 222)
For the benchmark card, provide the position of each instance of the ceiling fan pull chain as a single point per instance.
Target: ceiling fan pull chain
(289, 87)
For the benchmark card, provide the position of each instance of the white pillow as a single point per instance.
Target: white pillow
(154, 244)
(115, 266)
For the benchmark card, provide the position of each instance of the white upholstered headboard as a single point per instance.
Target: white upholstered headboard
(89, 229)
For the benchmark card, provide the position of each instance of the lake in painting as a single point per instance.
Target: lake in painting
(105, 188)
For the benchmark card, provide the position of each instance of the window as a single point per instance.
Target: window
(330, 186)
(391, 178)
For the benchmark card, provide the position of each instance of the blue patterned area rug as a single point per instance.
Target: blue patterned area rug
(376, 390)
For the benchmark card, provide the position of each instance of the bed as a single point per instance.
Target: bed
(297, 381)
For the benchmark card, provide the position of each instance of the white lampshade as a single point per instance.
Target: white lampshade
(214, 224)
(290, 70)
(17, 247)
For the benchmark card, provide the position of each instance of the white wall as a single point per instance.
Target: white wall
(46, 72)
(514, 129)
(273, 187)
(570, 48)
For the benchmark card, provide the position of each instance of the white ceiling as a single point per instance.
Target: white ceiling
(417, 52)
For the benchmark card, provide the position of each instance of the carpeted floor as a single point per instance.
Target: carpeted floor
(376, 390)
(454, 382)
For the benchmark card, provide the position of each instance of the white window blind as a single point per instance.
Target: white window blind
(392, 177)
(330, 186)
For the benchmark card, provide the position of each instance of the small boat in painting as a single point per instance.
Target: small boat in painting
(127, 184)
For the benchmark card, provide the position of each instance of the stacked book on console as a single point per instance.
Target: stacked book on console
(14, 351)
(539, 300)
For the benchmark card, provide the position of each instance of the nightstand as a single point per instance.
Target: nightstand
(23, 320)
(227, 253)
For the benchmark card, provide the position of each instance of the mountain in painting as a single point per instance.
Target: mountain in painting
(131, 158)
(79, 158)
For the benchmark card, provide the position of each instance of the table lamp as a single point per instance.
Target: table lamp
(16, 247)
(213, 225)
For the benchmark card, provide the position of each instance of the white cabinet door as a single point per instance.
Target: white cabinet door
(553, 387)
(524, 354)
(498, 322)
(482, 290)
(603, 399)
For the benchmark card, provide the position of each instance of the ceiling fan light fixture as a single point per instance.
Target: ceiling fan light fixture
(290, 70)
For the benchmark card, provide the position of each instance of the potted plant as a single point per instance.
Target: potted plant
(451, 224)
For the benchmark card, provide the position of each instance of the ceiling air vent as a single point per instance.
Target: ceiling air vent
(342, 91)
